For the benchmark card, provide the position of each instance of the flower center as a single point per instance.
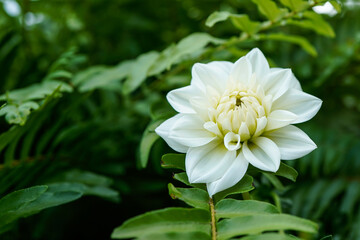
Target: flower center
(238, 116)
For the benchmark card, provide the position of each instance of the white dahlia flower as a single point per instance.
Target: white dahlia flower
(233, 114)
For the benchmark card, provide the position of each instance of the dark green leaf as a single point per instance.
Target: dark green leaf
(270, 236)
(169, 220)
(176, 236)
(245, 185)
(195, 197)
(173, 160)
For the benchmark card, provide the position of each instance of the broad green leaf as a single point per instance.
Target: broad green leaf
(270, 10)
(301, 41)
(174, 53)
(195, 197)
(240, 21)
(270, 236)
(255, 224)
(245, 185)
(147, 141)
(138, 71)
(176, 236)
(284, 171)
(296, 5)
(336, 5)
(229, 208)
(173, 160)
(169, 220)
(36, 91)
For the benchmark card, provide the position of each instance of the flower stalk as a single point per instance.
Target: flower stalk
(213, 220)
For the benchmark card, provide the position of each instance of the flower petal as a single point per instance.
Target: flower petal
(232, 176)
(278, 81)
(232, 141)
(292, 142)
(262, 153)
(304, 105)
(208, 163)
(279, 118)
(163, 131)
(259, 63)
(189, 131)
(215, 74)
(179, 98)
(241, 72)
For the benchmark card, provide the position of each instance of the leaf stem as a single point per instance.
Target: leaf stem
(213, 220)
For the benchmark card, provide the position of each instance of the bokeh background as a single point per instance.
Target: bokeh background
(101, 131)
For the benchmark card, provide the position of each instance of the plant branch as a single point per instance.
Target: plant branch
(213, 220)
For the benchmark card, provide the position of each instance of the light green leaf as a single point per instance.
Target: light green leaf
(270, 236)
(336, 5)
(173, 160)
(229, 208)
(301, 41)
(296, 5)
(18, 113)
(176, 236)
(270, 10)
(240, 21)
(255, 224)
(216, 17)
(321, 26)
(190, 45)
(138, 71)
(245, 185)
(195, 197)
(169, 220)
(147, 141)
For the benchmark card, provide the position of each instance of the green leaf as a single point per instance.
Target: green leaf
(173, 160)
(270, 10)
(287, 172)
(229, 208)
(148, 139)
(190, 45)
(176, 236)
(138, 71)
(296, 5)
(240, 21)
(216, 17)
(254, 224)
(274, 181)
(182, 177)
(245, 185)
(18, 113)
(270, 236)
(336, 5)
(194, 197)
(301, 41)
(169, 220)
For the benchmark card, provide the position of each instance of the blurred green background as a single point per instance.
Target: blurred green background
(100, 131)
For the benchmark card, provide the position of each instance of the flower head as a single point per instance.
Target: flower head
(233, 114)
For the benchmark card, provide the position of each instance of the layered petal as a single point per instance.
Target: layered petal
(208, 163)
(304, 105)
(188, 130)
(278, 81)
(241, 72)
(232, 176)
(279, 118)
(292, 142)
(215, 74)
(163, 131)
(179, 98)
(262, 153)
(260, 65)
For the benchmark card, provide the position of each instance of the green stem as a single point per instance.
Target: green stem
(213, 220)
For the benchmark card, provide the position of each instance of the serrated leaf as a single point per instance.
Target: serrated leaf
(194, 197)
(176, 236)
(138, 71)
(296, 5)
(301, 41)
(168, 220)
(229, 208)
(270, 10)
(245, 185)
(148, 139)
(270, 236)
(254, 224)
(173, 160)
